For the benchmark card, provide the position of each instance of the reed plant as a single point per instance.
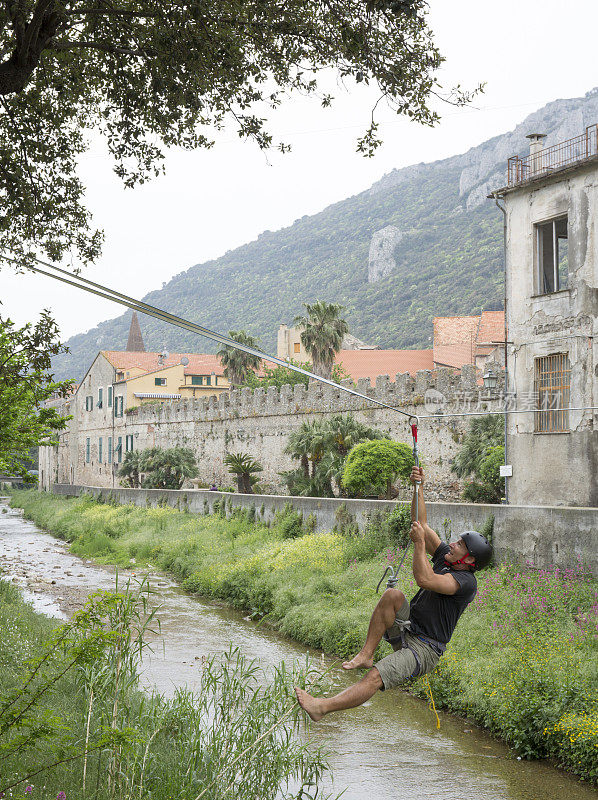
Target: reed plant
(73, 721)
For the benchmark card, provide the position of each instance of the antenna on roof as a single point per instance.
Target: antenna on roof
(184, 361)
(162, 357)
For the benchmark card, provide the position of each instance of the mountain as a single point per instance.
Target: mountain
(421, 242)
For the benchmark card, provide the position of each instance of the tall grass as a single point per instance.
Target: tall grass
(523, 660)
(72, 718)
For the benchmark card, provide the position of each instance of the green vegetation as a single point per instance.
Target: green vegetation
(25, 383)
(522, 661)
(447, 263)
(322, 334)
(480, 458)
(278, 376)
(245, 468)
(73, 720)
(239, 365)
(322, 447)
(69, 69)
(372, 467)
(162, 469)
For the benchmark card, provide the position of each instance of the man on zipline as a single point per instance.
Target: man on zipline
(418, 631)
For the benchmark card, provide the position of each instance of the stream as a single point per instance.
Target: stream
(388, 748)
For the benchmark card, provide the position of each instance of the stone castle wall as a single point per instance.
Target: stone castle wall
(259, 423)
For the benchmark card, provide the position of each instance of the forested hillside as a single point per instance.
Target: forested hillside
(441, 254)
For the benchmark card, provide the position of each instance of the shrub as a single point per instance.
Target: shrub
(289, 523)
(480, 459)
(164, 469)
(373, 466)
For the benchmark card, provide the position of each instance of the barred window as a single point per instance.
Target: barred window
(552, 385)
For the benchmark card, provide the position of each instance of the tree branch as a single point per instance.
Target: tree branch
(105, 48)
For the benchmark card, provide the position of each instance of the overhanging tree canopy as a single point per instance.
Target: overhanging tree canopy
(153, 74)
(25, 384)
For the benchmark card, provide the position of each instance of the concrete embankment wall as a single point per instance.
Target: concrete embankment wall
(541, 535)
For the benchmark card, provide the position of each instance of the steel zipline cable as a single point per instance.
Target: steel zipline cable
(98, 289)
(165, 316)
(59, 274)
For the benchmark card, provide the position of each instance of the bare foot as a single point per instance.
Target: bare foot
(359, 662)
(312, 705)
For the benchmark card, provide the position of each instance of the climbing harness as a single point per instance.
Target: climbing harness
(404, 626)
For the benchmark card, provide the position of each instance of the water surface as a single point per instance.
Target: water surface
(389, 748)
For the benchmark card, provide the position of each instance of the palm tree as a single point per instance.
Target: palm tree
(344, 432)
(323, 334)
(238, 364)
(244, 467)
(307, 444)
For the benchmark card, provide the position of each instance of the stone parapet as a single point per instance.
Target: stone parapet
(403, 391)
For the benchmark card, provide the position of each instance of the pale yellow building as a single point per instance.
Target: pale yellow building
(289, 344)
(143, 377)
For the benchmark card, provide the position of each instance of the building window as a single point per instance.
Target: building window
(552, 385)
(110, 449)
(100, 453)
(89, 403)
(119, 449)
(552, 256)
(118, 405)
(160, 381)
(129, 443)
(87, 451)
(208, 380)
(296, 347)
(196, 380)
(100, 396)
(110, 397)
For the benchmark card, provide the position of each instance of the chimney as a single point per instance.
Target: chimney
(536, 146)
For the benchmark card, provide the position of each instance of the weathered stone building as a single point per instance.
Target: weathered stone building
(551, 208)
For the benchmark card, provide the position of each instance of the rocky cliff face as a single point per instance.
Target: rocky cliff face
(422, 241)
(382, 252)
(483, 167)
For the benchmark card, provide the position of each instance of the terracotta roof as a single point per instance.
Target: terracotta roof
(199, 363)
(371, 363)
(492, 327)
(458, 340)
(452, 355)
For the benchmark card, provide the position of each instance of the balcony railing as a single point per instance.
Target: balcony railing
(549, 159)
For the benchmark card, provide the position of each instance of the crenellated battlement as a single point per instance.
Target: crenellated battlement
(260, 421)
(402, 391)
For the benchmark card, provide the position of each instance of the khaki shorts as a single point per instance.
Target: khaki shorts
(403, 664)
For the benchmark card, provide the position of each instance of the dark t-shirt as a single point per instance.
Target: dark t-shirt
(436, 615)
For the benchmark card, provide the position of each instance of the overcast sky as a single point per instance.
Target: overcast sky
(213, 201)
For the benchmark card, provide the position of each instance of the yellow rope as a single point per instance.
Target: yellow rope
(431, 704)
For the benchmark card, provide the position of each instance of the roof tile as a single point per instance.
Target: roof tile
(371, 363)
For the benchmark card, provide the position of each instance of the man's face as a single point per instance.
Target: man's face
(457, 551)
